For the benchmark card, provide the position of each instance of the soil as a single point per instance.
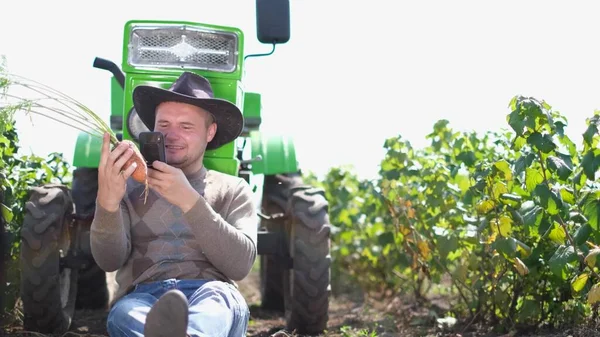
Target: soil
(351, 314)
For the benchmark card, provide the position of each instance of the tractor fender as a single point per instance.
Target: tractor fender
(87, 151)
(278, 154)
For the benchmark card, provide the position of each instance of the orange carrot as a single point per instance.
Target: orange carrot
(140, 174)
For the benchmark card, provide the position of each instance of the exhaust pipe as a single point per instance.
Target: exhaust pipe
(105, 64)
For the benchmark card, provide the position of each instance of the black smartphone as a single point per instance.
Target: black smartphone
(152, 147)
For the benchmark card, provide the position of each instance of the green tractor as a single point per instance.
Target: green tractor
(59, 273)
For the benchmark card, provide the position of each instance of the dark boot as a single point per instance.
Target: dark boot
(168, 317)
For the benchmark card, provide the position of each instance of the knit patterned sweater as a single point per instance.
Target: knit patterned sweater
(153, 241)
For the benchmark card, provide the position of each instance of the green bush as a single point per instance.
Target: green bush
(508, 218)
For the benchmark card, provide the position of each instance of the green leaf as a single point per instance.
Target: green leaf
(590, 132)
(567, 195)
(524, 162)
(392, 195)
(591, 257)
(579, 282)
(467, 157)
(507, 246)
(516, 121)
(484, 206)
(387, 165)
(567, 158)
(577, 217)
(558, 166)
(346, 236)
(523, 248)
(518, 143)
(591, 208)
(503, 225)
(544, 226)
(560, 127)
(557, 234)
(446, 245)
(589, 165)
(532, 217)
(568, 143)
(533, 177)
(510, 199)
(504, 168)
(582, 234)
(549, 199)
(7, 214)
(558, 262)
(385, 238)
(546, 106)
(541, 142)
(498, 189)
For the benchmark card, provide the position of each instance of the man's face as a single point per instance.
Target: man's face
(186, 131)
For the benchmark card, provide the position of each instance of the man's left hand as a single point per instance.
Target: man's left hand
(172, 184)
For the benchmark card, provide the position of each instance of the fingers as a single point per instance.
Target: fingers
(129, 170)
(163, 167)
(105, 150)
(157, 175)
(118, 166)
(155, 183)
(116, 153)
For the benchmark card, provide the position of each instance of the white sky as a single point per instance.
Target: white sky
(352, 74)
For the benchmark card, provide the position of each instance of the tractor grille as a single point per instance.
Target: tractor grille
(182, 46)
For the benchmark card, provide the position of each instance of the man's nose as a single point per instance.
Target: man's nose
(170, 134)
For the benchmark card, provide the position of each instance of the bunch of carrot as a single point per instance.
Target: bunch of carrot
(48, 102)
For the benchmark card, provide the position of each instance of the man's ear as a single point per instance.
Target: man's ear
(212, 130)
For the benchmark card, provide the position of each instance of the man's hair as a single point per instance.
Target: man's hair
(210, 119)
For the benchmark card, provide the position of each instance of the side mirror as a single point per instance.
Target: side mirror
(273, 21)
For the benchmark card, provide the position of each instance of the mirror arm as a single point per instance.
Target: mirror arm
(256, 55)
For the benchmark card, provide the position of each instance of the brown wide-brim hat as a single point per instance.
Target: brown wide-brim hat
(195, 90)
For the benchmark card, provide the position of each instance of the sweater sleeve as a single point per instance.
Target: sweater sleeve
(110, 238)
(229, 243)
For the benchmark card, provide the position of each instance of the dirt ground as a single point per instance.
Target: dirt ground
(347, 317)
(350, 315)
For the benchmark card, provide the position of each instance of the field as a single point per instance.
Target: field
(351, 314)
(478, 234)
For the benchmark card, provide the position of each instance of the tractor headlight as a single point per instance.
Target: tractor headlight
(183, 46)
(135, 125)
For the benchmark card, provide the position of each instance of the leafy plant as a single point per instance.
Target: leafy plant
(508, 219)
(17, 174)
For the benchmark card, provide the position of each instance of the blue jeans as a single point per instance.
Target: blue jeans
(216, 308)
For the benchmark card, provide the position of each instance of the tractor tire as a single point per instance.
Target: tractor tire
(305, 288)
(92, 288)
(47, 290)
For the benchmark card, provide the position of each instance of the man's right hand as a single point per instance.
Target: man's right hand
(112, 176)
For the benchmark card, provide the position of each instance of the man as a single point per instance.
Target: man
(179, 253)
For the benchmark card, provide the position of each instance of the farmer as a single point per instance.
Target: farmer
(178, 254)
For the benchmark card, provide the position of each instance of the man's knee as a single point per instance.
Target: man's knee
(128, 315)
(220, 306)
(221, 292)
